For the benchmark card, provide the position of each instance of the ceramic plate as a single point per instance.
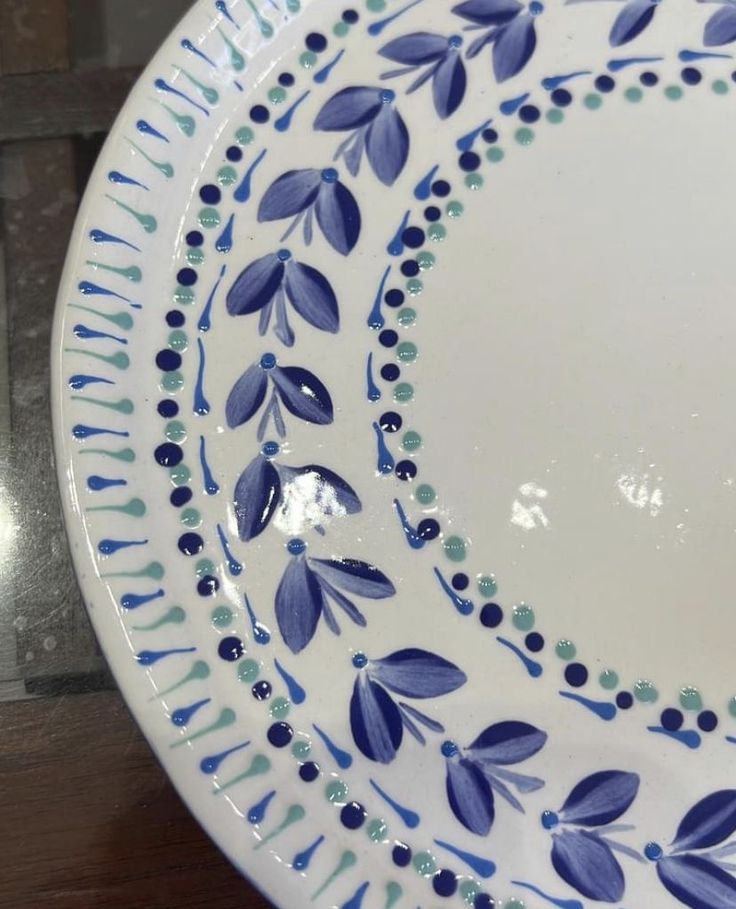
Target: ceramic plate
(394, 419)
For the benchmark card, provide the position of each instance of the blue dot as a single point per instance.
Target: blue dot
(390, 421)
(208, 586)
(691, 75)
(428, 529)
(483, 900)
(268, 361)
(388, 338)
(605, 83)
(536, 8)
(444, 882)
(469, 161)
(549, 820)
(360, 660)
(671, 719)
(330, 175)
(409, 268)
(259, 113)
(449, 749)
(576, 675)
(561, 97)
(394, 297)
(180, 496)
(489, 135)
(432, 213)
(350, 16)
(390, 372)
(707, 721)
(316, 42)
(270, 449)
(352, 815)
(455, 41)
(534, 641)
(191, 543)
(406, 470)
(529, 113)
(401, 855)
(649, 79)
(491, 615)
(187, 277)
(309, 771)
(387, 96)
(210, 194)
(195, 238)
(175, 318)
(283, 255)
(441, 188)
(262, 690)
(624, 700)
(733, 75)
(413, 237)
(168, 454)
(168, 408)
(234, 153)
(460, 581)
(280, 734)
(296, 546)
(286, 79)
(231, 649)
(653, 851)
(168, 360)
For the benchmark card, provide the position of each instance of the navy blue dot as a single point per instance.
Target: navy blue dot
(286, 79)
(671, 719)
(352, 815)
(394, 297)
(261, 691)
(561, 97)
(390, 421)
(576, 675)
(195, 238)
(432, 213)
(406, 470)
(605, 83)
(534, 642)
(529, 113)
(691, 75)
(390, 372)
(483, 901)
(187, 277)
(191, 543)
(413, 237)
(175, 318)
(733, 75)
(469, 161)
(648, 78)
(280, 734)
(208, 586)
(491, 615)
(168, 454)
(168, 408)
(409, 268)
(428, 529)
(210, 194)
(350, 16)
(388, 337)
(234, 153)
(489, 135)
(401, 855)
(231, 649)
(624, 700)
(316, 42)
(309, 771)
(444, 882)
(259, 113)
(707, 721)
(180, 496)
(460, 581)
(441, 188)
(168, 360)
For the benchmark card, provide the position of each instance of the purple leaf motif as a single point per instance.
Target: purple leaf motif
(355, 576)
(375, 721)
(697, 882)
(507, 743)
(586, 863)
(446, 69)
(513, 47)
(257, 495)
(246, 396)
(721, 27)
(470, 796)
(303, 394)
(708, 823)
(416, 673)
(600, 799)
(632, 20)
(299, 605)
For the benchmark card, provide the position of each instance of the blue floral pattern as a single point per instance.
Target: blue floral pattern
(442, 64)
(508, 28)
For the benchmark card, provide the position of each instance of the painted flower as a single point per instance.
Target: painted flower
(632, 20)
(442, 63)
(477, 773)
(509, 27)
(298, 389)
(266, 285)
(721, 27)
(376, 130)
(309, 195)
(694, 871)
(301, 497)
(582, 852)
(309, 587)
(376, 719)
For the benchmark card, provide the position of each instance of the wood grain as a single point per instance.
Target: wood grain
(33, 36)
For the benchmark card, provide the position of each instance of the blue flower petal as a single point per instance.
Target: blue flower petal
(349, 109)
(299, 604)
(415, 49)
(507, 743)
(417, 673)
(513, 47)
(289, 194)
(449, 84)
(721, 27)
(697, 882)
(600, 798)
(303, 394)
(338, 216)
(488, 12)
(470, 796)
(588, 864)
(312, 296)
(255, 286)
(318, 488)
(355, 576)
(375, 721)
(257, 495)
(387, 145)
(246, 396)
(711, 821)
(632, 20)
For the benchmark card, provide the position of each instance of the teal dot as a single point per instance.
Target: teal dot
(222, 616)
(436, 232)
(523, 617)
(487, 586)
(176, 431)
(424, 864)
(248, 671)
(412, 441)
(308, 60)
(406, 316)
(634, 94)
(209, 217)
(524, 135)
(593, 101)
(469, 890)
(190, 517)
(673, 92)
(473, 181)
(280, 708)
(375, 6)
(195, 256)
(645, 692)
(495, 155)
(565, 650)
(455, 548)
(172, 381)
(720, 87)
(513, 903)
(555, 116)
(204, 567)
(425, 494)
(377, 830)
(608, 679)
(403, 392)
(454, 209)
(180, 475)
(301, 749)
(425, 260)
(690, 698)
(732, 706)
(244, 136)
(336, 792)
(184, 296)
(178, 340)
(406, 352)
(414, 287)
(277, 95)
(340, 29)
(227, 175)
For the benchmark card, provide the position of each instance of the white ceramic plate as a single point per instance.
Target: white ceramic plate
(393, 413)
